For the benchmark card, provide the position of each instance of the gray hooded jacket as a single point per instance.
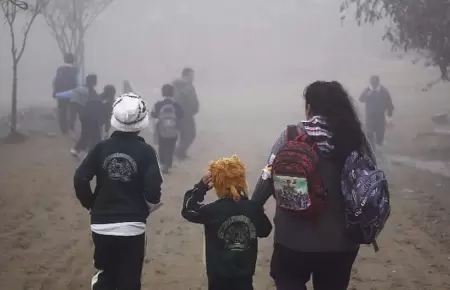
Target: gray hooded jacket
(186, 96)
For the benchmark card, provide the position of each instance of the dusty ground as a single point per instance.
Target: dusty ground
(45, 238)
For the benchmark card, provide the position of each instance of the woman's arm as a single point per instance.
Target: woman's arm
(264, 187)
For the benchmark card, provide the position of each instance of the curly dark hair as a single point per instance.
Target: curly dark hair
(331, 100)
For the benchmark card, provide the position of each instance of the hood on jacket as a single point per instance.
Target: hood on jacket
(318, 130)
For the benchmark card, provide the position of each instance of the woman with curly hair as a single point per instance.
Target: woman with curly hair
(318, 246)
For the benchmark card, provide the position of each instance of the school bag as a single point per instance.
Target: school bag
(167, 121)
(366, 194)
(298, 185)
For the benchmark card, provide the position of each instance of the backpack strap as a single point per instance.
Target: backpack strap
(292, 133)
(296, 133)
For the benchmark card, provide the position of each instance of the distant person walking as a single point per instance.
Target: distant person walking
(66, 78)
(108, 98)
(92, 113)
(186, 96)
(168, 114)
(379, 109)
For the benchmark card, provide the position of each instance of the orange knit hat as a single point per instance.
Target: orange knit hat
(228, 177)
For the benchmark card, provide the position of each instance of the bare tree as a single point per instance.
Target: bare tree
(419, 26)
(15, 12)
(69, 21)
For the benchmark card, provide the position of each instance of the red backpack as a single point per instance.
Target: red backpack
(298, 185)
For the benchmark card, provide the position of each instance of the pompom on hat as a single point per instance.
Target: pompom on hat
(130, 113)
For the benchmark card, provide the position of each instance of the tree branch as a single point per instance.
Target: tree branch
(27, 30)
(10, 10)
(419, 26)
(69, 20)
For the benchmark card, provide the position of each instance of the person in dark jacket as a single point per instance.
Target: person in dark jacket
(168, 115)
(128, 189)
(66, 79)
(379, 109)
(108, 97)
(92, 113)
(319, 248)
(232, 224)
(186, 95)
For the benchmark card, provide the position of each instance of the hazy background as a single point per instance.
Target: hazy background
(231, 44)
(253, 59)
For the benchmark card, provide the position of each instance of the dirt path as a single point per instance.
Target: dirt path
(45, 238)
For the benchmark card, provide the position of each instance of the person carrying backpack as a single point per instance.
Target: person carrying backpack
(168, 114)
(66, 79)
(322, 215)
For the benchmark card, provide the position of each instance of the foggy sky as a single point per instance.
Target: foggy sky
(229, 43)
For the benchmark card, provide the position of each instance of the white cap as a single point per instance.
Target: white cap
(130, 113)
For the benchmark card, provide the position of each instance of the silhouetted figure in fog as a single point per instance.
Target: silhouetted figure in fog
(128, 189)
(66, 78)
(108, 98)
(379, 109)
(92, 114)
(168, 114)
(186, 96)
(78, 98)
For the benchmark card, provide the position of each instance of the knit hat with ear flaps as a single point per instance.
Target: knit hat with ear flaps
(130, 113)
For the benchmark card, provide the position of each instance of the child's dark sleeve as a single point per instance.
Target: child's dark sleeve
(193, 210)
(264, 226)
(83, 176)
(153, 180)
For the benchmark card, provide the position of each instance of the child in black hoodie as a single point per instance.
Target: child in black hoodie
(128, 189)
(232, 225)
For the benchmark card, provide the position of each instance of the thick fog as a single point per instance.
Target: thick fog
(252, 58)
(229, 43)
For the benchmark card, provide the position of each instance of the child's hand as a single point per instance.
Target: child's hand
(207, 180)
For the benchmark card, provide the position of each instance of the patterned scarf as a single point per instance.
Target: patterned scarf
(317, 130)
